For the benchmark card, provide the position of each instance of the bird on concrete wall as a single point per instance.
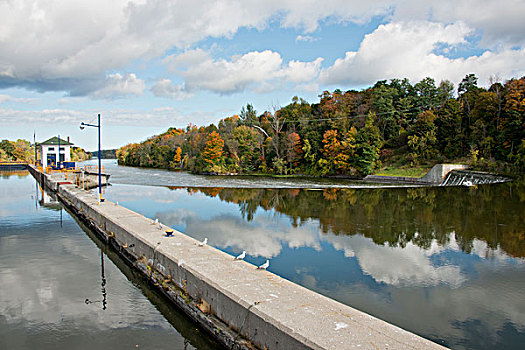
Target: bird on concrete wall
(265, 265)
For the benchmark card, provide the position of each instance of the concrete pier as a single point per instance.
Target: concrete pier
(241, 306)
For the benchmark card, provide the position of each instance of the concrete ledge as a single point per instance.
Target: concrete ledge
(434, 176)
(439, 171)
(269, 311)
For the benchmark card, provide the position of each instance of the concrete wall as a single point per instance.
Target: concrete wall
(434, 176)
(439, 171)
(269, 311)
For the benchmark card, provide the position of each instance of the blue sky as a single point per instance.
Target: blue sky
(146, 65)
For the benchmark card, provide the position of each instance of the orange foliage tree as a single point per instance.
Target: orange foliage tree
(212, 155)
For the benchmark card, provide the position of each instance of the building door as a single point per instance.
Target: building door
(51, 159)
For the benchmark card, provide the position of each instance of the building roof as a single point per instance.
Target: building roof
(54, 141)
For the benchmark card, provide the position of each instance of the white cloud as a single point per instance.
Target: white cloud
(67, 117)
(407, 49)
(305, 38)
(239, 73)
(117, 85)
(165, 88)
(500, 22)
(259, 71)
(8, 98)
(301, 72)
(186, 59)
(70, 45)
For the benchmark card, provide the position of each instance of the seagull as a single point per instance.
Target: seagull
(160, 226)
(265, 265)
(116, 203)
(155, 222)
(241, 256)
(203, 243)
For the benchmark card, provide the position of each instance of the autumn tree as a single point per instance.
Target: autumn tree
(212, 155)
(293, 149)
(8, 147)
(177, 158)
(338, 152)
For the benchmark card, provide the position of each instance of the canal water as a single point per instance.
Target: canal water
(445, 263)
(62, 289)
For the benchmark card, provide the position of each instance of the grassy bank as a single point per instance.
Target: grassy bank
(418, 171)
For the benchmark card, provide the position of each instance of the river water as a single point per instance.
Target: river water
(445, 263)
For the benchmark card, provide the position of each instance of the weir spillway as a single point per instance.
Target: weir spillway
(239, 305)
(460, 177)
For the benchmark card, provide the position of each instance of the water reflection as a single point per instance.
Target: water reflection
(445, 263)
(48, 270)
(396, 217)
(103, 282)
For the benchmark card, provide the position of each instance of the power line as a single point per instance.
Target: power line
(360, 115)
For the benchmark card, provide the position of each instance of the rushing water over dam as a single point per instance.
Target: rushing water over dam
(461, 177)
(444, 262)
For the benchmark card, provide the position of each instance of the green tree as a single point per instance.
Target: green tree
(248, 115)
(427, 93)
(367, 146)
(422, 139)
(247, 140)
(382, 103)
(450, 139)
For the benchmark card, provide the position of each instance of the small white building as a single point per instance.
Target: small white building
(55, 150)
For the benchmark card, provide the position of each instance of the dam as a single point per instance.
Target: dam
(241, 306)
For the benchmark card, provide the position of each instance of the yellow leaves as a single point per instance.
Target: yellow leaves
(213, 149)
(177, 157)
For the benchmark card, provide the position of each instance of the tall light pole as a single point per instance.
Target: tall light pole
(82, 125)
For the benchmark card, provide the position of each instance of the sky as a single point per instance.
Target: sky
(147, 65)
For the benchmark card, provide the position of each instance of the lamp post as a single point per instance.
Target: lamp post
(82, 125)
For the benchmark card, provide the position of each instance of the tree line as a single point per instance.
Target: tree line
(352, 133)
(23, 151)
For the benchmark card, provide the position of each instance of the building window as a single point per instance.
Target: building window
(61, 148)
(51, 148)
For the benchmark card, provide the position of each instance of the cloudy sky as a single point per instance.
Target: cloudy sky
(146, 65)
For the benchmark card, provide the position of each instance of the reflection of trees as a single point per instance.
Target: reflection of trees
(493, 213)
(5, 174)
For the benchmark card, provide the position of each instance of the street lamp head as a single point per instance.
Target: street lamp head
(82, 126)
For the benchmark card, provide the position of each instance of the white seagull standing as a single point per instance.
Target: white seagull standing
(155, 222)
(265, 265)
(241, 256)
(203, 243)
